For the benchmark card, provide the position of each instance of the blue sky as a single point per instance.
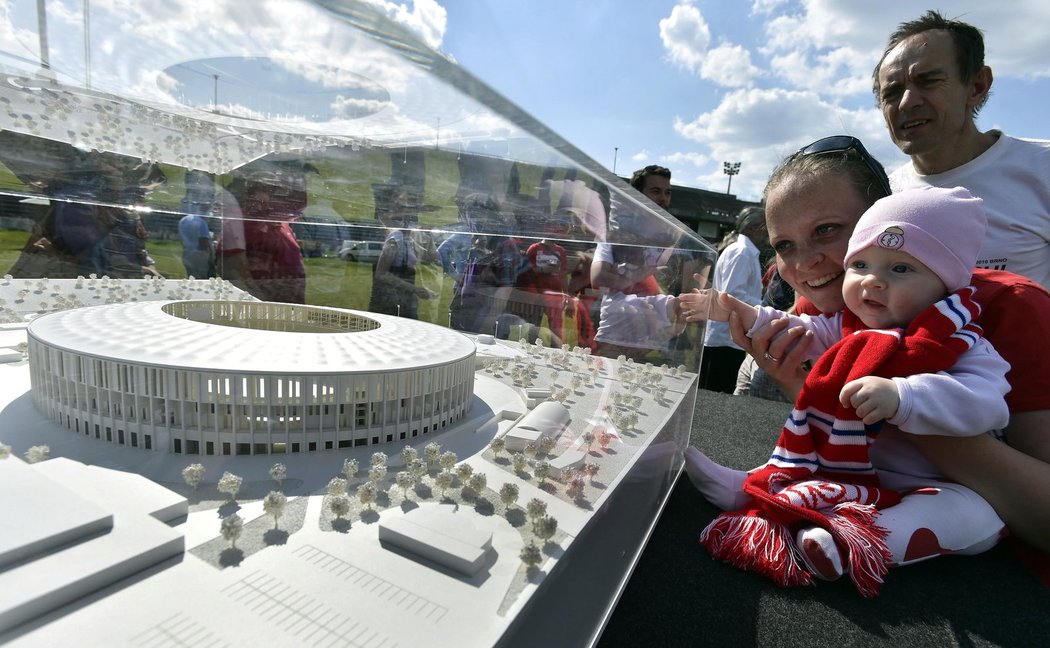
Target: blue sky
(691, 84)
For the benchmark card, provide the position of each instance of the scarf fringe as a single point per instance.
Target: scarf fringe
(853, 527)
(756, 544)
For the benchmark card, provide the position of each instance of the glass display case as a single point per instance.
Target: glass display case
(319, 154)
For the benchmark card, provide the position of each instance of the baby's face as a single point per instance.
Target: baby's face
(888, 288)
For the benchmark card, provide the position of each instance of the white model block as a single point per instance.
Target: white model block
(546, 419)
(437, 533)
(43, 515)
(566, 462)
(121, 491)
(135, 542)
(517, 438)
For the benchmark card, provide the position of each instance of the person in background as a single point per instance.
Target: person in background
(930, 84)
(198, 250)
(738, 272)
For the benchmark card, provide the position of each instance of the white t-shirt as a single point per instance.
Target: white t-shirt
(1013, 179)
(738, 272)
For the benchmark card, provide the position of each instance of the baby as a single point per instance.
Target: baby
(905, 351)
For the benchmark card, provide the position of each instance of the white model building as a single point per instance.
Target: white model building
(241, 377)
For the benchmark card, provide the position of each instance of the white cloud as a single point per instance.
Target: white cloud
(729, 65)
(426, 18)
(694, 159)
(685, 36)
(641, 156)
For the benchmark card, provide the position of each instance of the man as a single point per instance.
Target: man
(930, 84)
(654, 182)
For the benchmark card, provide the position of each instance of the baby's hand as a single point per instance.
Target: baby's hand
(873, 398)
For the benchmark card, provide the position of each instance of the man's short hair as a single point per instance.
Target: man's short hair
(639, 176)
(968, 40)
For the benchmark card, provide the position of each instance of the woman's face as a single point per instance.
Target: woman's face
(810, 221)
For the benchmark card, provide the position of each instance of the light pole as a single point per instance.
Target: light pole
(730, 169)
(616, 152)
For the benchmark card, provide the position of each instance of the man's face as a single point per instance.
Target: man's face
(925, 102)
(658, 189)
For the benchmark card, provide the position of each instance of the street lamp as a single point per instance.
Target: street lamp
(730, 169)
(616, 153)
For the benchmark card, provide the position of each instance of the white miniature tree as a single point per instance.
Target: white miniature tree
(273, 504)
(418, 468)
(38, 453)
(604, 439)
(377, 472)
(464, 471)
(588, 438)
(366, 494)
(408, 455)
(546, 444)
(498, 445)
(590, 469)
(336, 486)
(432, 451)
(519, 462)
(350, 468)
(535, 508)
(192, 475)
(545, 527)
(231, 527)
(542, 470)
(5, 451)
(477, 482)
(339, 505)
(230, 484)
(532, 449)
(443, 480)
(448, 460)
(404, 481)
(531, 555)
(378, 459)
(279, 473)
(508, 494)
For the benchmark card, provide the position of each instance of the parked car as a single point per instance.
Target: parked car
(361, 251)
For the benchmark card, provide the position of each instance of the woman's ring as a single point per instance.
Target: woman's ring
(769, 357)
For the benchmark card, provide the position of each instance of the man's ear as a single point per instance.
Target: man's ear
(980, 85)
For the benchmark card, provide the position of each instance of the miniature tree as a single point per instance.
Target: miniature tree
(508, 494)
(38, 453)
(377, 472)
(519, 462)
(418, 468)
(542, 470)
(230, 484)
(448, 460)
(478, 482)
(366, 494)
(498, 445)
(378, 459)
(279, 473)
(192, 475)
(408, 455)
(432, 451)
(5, 451)
(532, 449)
(535, 508)
(339, 505)
(575, 486)
(531, 555)
(231, 527)
(545, 527)
(443, 480)
(350, 468)
(590, 469)
(546, 444)
(464, 471)
(604, 439)
(273, 504)
(336, 486)
(404, 481)
(588, 438)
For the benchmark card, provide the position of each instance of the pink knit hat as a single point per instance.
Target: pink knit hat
(942, 228)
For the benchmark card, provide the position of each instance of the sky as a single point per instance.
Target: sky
(691, 84)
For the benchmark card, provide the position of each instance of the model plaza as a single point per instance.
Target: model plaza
(242, 377)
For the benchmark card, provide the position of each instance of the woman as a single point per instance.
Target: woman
(813, 200)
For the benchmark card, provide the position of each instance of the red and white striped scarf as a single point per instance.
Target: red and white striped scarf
(820, 473)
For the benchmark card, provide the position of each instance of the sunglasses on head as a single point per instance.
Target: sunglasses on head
(845, 144)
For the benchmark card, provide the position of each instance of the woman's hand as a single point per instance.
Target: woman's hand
(778, 349)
